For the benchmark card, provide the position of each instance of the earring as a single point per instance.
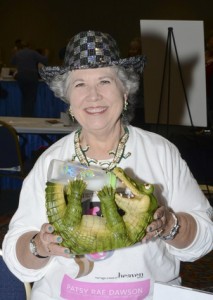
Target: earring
(125, 104)
(71, 113)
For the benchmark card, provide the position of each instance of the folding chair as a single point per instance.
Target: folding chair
(11, 161)
(13, 168)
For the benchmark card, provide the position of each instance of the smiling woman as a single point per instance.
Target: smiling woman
(101, 89)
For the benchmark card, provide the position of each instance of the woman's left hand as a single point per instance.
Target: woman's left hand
(162, 224)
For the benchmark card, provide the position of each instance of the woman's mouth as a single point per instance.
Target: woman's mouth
(96, 110)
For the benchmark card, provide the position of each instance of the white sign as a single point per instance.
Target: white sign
(174, 48)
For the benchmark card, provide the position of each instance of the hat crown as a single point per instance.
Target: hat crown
(91, 49)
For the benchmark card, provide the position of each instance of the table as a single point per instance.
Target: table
(39, 132)
(35, 134)
(47, 105)
(38, 125)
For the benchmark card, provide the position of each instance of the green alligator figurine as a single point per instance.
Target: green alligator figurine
(84, 234)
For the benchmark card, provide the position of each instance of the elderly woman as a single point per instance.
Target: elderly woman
(100, 88)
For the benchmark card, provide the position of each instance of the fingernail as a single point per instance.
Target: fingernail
(67, 251)
(50, 228)
(59, 239)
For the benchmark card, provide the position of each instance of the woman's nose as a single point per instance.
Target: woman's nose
(94, 94)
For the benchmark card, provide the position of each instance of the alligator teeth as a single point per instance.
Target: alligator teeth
(128, 195)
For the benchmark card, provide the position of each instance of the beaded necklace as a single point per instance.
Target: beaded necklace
(118, 153)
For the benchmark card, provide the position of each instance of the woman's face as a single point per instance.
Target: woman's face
(96, 97)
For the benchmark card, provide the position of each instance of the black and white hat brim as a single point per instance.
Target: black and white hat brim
(136, 63)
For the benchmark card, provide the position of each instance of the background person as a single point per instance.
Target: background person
(27, 62)
(100, 88)
(18, 45)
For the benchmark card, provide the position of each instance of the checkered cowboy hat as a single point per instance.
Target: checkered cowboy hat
(92, 49)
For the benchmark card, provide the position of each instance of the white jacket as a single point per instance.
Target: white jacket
(127, 273)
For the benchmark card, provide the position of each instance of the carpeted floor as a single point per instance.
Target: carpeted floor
(198, 274)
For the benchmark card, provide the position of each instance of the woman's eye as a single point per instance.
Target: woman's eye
(79, 84)
(105, 81)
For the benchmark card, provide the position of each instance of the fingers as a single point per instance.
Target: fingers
(56, 250)
(47, 228)
(160, 213)
(47, 236)
(49, 243)
(158, 225)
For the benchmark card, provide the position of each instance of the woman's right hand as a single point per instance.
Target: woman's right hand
(48, 243)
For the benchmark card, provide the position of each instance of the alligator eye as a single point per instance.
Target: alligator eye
(147, 186)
